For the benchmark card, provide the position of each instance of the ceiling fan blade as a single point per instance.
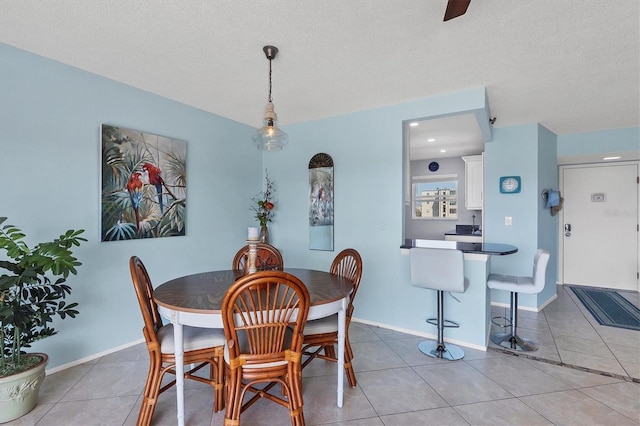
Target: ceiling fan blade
(456, 8)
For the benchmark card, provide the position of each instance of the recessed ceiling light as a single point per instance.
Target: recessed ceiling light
(443, 150)
(611, 158)
(431, 140)
(414, 124)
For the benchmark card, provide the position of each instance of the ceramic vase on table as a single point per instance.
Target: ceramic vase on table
(264, 234)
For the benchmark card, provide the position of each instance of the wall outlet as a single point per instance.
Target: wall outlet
(507, 221)
(382, 225)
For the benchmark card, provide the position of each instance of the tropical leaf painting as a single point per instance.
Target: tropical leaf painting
(144, 185)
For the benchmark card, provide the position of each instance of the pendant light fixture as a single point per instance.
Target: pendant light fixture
(269, 137)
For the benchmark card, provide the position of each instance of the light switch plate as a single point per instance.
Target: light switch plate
(507, 221)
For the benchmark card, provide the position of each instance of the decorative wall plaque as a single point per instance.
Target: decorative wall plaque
(321, 202)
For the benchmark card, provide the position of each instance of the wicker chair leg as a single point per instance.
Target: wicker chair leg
(150, 396)
(145, 413)
(295, 398)
(234, 400)
(330, 351)
(351, 375)
(347, 348)
(348, 367)
(217, 375)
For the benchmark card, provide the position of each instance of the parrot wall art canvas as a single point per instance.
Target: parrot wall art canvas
(144, 185)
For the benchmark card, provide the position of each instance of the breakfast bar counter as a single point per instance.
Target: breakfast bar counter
(473, 312)
(498, 249)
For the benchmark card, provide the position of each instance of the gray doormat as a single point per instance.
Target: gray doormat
(609, 308)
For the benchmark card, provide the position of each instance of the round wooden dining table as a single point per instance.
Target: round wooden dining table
(196, 300)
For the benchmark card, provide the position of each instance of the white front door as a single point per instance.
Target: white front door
(600, 225)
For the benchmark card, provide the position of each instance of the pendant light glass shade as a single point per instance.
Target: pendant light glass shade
(269, 137)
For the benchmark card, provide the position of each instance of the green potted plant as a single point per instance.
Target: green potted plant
(32, 293)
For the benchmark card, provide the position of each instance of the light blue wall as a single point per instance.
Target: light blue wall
(50, 117)
(368, 167)
(513, 152)
(49, 129)
(528, 151)
(609, 141)
(547, 224)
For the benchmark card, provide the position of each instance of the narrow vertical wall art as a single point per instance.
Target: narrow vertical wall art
(144, 185)
(321, 202)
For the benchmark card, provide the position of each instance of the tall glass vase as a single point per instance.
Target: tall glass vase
(264, 234)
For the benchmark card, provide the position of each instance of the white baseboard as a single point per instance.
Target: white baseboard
(92, 357)
(419, 334)
(551, 299)
(362, 321)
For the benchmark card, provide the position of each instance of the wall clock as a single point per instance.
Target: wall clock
(510, 184)
(434, 166)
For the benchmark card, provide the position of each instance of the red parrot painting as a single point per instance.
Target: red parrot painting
(143, 175)
(155, 179)
(134, 186)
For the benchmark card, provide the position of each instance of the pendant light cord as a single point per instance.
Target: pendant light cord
(270, 80)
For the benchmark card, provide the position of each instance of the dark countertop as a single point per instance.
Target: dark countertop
(498, 249)
(471, 234)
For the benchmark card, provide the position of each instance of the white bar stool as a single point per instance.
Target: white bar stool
(515, 285)
(442, 270)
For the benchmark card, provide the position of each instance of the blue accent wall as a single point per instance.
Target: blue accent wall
(50, 117)
(616, 140)
(547, 223)
(367, 151)
(513, 152)
(528, 151)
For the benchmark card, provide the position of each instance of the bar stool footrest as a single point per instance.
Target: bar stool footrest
(506, 322)
(446, 323)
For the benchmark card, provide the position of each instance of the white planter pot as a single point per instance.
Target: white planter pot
(19, 392)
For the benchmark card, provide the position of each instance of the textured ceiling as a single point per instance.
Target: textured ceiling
(572, 65)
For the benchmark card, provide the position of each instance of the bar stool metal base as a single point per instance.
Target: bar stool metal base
(508, 341)
(435, 350)
(511, 340)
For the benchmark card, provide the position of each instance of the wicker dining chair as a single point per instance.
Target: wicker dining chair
(203, 346)
(321, 335)
(268, 258)
(263, 316)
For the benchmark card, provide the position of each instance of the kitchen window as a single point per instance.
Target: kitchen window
(435, 197)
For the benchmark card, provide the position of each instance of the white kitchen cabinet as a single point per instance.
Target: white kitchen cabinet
(473, 182)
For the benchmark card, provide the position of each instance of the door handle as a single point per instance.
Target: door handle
(567, 229)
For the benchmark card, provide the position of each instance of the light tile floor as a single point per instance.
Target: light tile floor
(397, 385)
(569, 335)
